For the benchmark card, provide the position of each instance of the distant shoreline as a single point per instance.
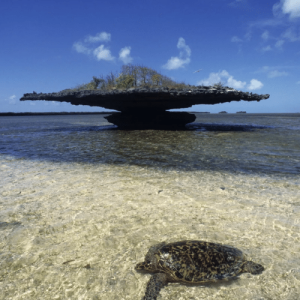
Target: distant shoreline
(11, 114)
(8, 114)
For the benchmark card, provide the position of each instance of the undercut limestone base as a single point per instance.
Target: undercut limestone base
(151, 120)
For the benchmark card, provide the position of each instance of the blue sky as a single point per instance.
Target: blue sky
(251, 45)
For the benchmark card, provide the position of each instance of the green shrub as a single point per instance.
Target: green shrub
(124, 81)
(130, 76)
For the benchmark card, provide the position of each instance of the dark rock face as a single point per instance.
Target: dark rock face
(151, 120)
(146, 107)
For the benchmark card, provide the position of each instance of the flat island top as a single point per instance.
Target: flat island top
(145, 98)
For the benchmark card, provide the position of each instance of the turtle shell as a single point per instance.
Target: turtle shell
(197, 261)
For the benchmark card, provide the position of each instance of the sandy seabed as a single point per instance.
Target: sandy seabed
(76, 231)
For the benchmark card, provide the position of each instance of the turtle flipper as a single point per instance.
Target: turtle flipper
(155, 284)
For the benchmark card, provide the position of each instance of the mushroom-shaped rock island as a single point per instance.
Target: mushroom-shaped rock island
(145, 107)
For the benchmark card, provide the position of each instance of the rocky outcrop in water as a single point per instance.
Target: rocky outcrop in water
(148, 98)
(144, 107)
(151, 120)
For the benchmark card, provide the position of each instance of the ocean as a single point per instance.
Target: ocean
(81, 202)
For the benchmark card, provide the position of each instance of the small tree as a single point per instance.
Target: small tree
(156, 79)
(143, 75)
(97, 81)
(110, 80)
(102, 83)
(218, 85)
(132, 71)
(125, 81)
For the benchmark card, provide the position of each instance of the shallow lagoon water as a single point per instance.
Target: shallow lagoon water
(81, 202)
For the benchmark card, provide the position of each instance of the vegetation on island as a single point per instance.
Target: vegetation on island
(131, 76)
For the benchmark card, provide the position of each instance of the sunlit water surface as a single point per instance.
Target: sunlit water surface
(81, 202)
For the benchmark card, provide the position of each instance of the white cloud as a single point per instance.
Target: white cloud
(281, 11)
(291, 7)
(262, 24)
(265, 36)
(80, 48)
(277, 12)
(228, 80)
(255, 84)
(12, 99)
(265, 69)
(101, 53)
(124, 55)
(273, 72)
(279, 44)
(176, 63)
(266, 49)
(183, 59)
(214, 78)
(99, 37)
(223, 76)
(235, 39)
(235, 83)
(291, 35)
(273, 22)
(185, 49)
(276, 73)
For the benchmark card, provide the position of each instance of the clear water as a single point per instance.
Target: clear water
(81, 202)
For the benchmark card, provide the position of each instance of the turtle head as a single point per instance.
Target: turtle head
(149, 265)
(253, 268)
(144, 266)
(151, 259)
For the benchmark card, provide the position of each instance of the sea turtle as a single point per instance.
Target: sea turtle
(193, 262)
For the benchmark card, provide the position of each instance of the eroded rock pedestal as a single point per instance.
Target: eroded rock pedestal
(151, 120)
(145, 108)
